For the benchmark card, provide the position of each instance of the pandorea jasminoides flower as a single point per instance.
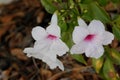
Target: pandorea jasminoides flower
(90, 39)
(48, 44)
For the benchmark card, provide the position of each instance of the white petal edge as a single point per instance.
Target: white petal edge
(53, 30)
(94, 51)
(107, 38)
(82, 23)
(79, 33)
(51, 59)
(78, 48)
(54, 18)
(29, 51)
(96, 27)
(38, 33)
(48, 58)
(59, 47)
(54, 64)
(60, 64)
(33, 52)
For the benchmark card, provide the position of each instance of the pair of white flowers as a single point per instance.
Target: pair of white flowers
(88, 39)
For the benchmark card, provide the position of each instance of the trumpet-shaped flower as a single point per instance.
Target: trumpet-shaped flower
(90, 39)
(48, 44)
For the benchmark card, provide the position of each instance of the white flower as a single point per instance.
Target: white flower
(48, 44)
(90, 39)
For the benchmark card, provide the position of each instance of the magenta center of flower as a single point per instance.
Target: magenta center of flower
(89, 37)
(51, 37)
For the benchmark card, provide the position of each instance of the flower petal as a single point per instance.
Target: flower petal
(97, 39)
(51, 59)
(78, 48)
(79, 34)
(60, 64)
(32, 52)
(43, 45)
(39, 49)
(29, 51)
(96, 27)
(59, 47)
(53, 64)
(82, 23)
(53, 30)
(38, 33)
(107, 38)
(94, 51)
(54, 19)
(48, 57)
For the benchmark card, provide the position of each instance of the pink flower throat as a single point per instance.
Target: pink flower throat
(89, 37)
(51, 37)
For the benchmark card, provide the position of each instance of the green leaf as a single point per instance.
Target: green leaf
(116, 27)
(109, 71)
(103, 2)
(86, 1)
(117, 21)
(62, 22)
(49, 7)
(63, 26)
(94, 11)
(115, 1)
(114, 55)
(79, 58)
(116, 32)
(97, 64)
(67, 38)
